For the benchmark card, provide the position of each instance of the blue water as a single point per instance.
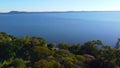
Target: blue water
(64, 27)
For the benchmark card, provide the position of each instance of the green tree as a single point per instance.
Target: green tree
(18, 63)
(75, 49)
(67, 62)
(63, 53)
(63, 45)
(7, 51)
(108, 54)
(41, 64)
(46, 64)
(40, 52)
(81, 58)
(51, 46)
(4, 37)
(117, 57)
(56, 65)
(89, 48)
(38, 41)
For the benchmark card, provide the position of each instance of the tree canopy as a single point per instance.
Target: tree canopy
(35, 52)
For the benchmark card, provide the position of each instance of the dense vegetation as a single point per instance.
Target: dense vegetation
(34, 52)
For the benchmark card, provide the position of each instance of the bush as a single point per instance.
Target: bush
(18, 63)
(81, 58)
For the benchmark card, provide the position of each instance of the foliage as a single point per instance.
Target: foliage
(75, 49)
(89, 48)
(46, 64)
(34, 52)
(51, 46)
(81, 58)
(18, 63)
(63, 45)
(40, 52)
(7, 51)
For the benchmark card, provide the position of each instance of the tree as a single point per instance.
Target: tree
(81, 58)
(40, 52)
(63, 53)
(41, 64)
(89, 48)
(7, 51)
(38, 41)
(67, 62)
(75, 49)
(63, 45)
(108, 55)
(46, 64)
(18, 63)
(51, 46)
(56, 64)
(4, 37)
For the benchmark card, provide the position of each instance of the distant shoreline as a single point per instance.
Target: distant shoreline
(25, 12)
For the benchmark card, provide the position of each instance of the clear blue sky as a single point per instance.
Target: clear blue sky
(59, 5)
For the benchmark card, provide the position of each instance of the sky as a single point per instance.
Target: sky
(59, 5)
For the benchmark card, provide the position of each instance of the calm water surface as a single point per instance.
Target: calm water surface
(64, 27)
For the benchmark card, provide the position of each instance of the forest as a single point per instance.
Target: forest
(35, 52)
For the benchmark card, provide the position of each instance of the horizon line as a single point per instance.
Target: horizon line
(61, 11)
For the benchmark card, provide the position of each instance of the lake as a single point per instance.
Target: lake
(70, 27)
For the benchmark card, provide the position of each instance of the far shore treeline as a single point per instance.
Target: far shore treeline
(35, 52)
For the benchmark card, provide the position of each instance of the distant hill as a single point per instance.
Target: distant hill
(16, 12)
(13, 12)
(19, 12)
